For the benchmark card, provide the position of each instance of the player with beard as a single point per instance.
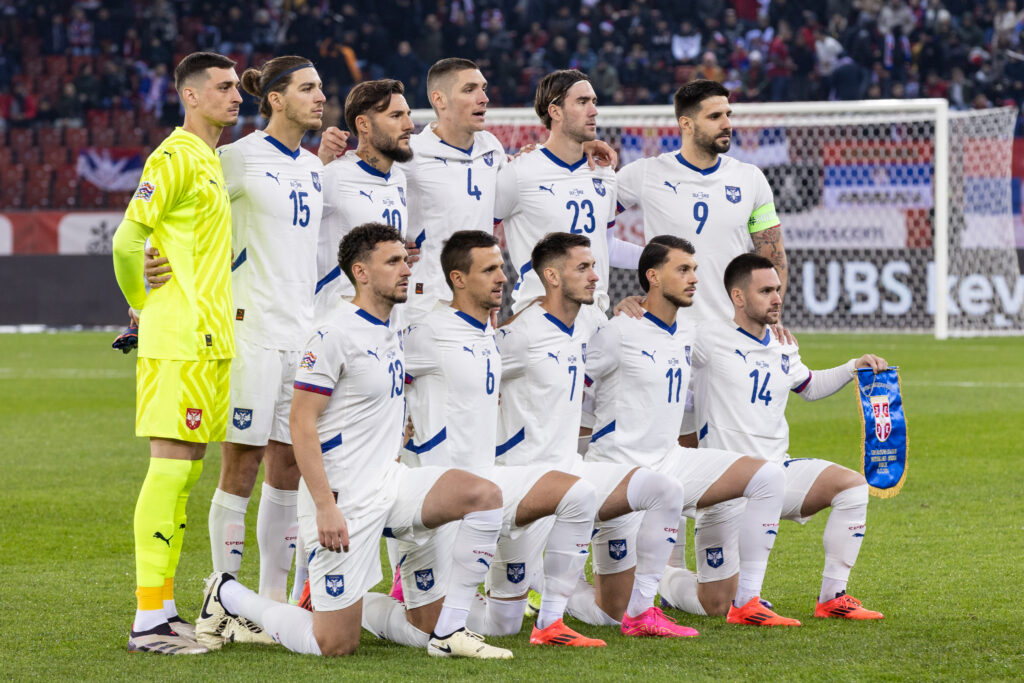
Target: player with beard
(366, 186)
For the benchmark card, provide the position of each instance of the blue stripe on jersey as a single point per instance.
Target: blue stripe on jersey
(387, 532)
(516, 439)
(471, 320)
(330, 443)
(762, 342)
(328, 279)
(526, 268)
(671, 329)
(702, 171)
(603, 431)
(283, 147)
(420, 237)
(376, 321)
(803, 386)
(429, 444)
(559, 162)
(314, 388)
(703, 432)
(372, 171)
(464, 151)
(239, 261)
(559, 324)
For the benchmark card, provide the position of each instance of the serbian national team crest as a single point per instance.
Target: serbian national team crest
(617, 549)
(308, 361)
(515, 571)
(401, 195)
(242, 419)
(687, 349)
(884, 455)
(335, 584)
(732, 193)
(489, 158)
(424, 579)
(316, 180)
(883, 422)
(145, 191)
(785, 364)
(599, 187)
(193, 416)
(715, 557)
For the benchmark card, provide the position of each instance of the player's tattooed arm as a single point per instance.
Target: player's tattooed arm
(768, 243)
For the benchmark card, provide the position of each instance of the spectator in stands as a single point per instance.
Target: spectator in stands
(406, 67)
(605, 79)
(961, 90)
(87, 85)
(755, 86)
(113, 84)
(55, 34)
(19, 108)
(686, 44)
(430, 42)
(896, 13)
(709, 68)
(69, 109)
(80, 33)
(849, 80)
(237, 33)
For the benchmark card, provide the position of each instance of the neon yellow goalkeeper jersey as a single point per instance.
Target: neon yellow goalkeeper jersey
(183, 198)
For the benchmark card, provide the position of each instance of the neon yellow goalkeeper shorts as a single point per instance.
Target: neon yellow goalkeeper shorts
(182, 399)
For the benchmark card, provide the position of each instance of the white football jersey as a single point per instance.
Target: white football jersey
(454, 370)
(539, 193)
(354, 193)
(640, 369)
(276, 205)
(450, 189)
(741, 387)
(542, 382)
(357, 360)
(716, 209)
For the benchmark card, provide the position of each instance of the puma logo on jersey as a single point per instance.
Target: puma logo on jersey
(322, 335)
(554, 355)
(168, 153)
(163, 538)
(274, 177)
(649, 355)
(368, 195)
(673, 187)
(443, 161)
(741, 355)
(550, 190)
(373, 353)
(469, 351)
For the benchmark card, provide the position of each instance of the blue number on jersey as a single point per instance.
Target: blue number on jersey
(397, 377)
(674, 377)
(585, 205)
(572, 387)
(393, 218)
(299, 206)
(763, 394)
(489, 382)
(700, 214)
(472, 189)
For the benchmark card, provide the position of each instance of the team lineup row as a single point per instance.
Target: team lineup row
(490, 494)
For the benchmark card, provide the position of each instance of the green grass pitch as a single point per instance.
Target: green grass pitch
(943, 560)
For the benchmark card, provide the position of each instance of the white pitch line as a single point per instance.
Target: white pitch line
(967, 385)
(64, 373)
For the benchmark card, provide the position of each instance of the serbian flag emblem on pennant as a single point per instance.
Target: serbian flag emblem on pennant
(884, 452)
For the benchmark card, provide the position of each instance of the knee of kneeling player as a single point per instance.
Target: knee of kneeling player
(337, 645)
(716, 597)
(481, 495)
(855, 495)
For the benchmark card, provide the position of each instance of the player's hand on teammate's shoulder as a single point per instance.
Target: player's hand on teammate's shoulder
(332, 528)
(630, 306)
(525, 149)
(600, 153)
(333, 144)
(784, 336)
(413, 252)
(869, 360)
(156, 268)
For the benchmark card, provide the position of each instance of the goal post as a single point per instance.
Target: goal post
(884, 205)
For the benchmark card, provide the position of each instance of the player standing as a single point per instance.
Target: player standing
(543, 354)
(185, 336)
(640, 369)
(743, 376)
(347, 419)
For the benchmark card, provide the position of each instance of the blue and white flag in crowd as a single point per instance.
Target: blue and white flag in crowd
(110, 169)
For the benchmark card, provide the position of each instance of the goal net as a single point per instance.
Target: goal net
(883, 205)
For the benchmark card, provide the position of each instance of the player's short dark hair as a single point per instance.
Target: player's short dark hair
(457, 252)
(196, 63)
(554, 246)
(274, 76)
(443, 68)
(655, 254)
(552, 89)
(360, 242)
(688, 98)
(370, 95)
(737, 273)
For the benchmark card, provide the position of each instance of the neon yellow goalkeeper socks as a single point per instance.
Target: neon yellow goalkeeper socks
(167, 482)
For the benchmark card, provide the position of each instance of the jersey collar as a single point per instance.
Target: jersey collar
(467, 152)
(559, 162)
(762, 342)
(471, 320)
(283, 148)
(671, 329)
(702, 171)
(559, 324)
(372, 171)
(371, 319)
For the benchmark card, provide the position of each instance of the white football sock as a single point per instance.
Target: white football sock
(661, 498)
(301, 573)
(146, 619)
(758, 528)
(287, 624)
(385, 617)
(677, 558)
(277, 532)
(472, 553)
(227, 531)
(679, 588)
(394, 554)
(490, 617)
(844, 533)
(583, 606)
(170, 609)
(566, 551)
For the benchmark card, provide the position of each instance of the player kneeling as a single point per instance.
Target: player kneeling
(347, 420)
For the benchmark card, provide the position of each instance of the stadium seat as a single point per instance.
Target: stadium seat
(96, 119)
(12, 194)
(65, 188)
(75, 139)
(20, 139)
(12, 174)
(130, 137)
(55, 156)
(78, 61)
(90, 196)
(6, 155)
(32, 156)
(122, 118)
(37, 189)
(103, 137)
